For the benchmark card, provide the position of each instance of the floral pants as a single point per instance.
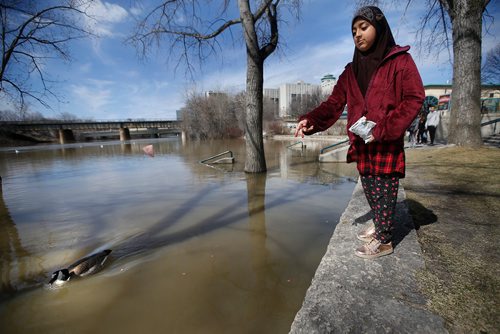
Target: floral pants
(381, 191)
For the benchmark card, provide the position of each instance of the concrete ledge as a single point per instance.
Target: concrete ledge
(352, 295)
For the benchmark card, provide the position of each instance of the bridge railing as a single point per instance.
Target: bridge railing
(57, 121)
(94, 124)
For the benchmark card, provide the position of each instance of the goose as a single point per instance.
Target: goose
(83, 267)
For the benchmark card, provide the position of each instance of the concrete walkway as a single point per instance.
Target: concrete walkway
(353, 295)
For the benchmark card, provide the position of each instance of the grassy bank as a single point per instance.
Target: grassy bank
(453, 194)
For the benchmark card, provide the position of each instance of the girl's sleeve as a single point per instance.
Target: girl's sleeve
(397, 120)
(329, 111)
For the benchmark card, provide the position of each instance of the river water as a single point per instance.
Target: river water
(196, 248)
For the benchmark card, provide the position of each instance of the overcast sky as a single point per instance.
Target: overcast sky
(107, 80)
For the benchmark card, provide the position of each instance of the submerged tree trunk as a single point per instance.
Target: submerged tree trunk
(255, 159)
(465, 114)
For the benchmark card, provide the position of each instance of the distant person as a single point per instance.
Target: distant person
(412, 132)
(383, 92)
(422, 132)
(433, 118)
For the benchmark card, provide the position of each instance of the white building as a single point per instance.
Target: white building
(289, 92)
(327, 84)
(293, 92)
(212, 93)
(272, 93)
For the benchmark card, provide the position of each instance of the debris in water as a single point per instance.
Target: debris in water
(149, 150)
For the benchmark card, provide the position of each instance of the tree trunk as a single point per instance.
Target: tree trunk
(465, 114)
(255, 158)
(255, 161)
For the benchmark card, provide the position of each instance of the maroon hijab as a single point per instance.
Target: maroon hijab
(364, 64)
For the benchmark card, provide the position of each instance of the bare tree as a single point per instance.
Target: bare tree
(211, 117)
(183, 24)
(193, 116)
(67, 116)
(221, 115)
(490, 73)
(31, 33)
(24, 114)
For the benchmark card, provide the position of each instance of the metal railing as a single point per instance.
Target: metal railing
(205, 161)
(333, 145)
(491, 122)
(297, 143)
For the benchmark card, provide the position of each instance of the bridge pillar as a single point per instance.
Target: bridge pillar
(154, 132)
(124, 134)
(66, 136)
(183, 136)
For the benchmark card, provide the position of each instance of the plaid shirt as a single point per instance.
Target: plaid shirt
(392, 100)
(378, 158)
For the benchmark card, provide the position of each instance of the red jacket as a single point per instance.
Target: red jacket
(393, 99)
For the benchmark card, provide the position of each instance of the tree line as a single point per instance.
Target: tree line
(25, 114)
(219, 115)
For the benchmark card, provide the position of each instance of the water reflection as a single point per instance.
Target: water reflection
(14, 258)
(266, 295)
(168, 230)
(126, 148)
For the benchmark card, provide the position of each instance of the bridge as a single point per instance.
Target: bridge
(65, 128)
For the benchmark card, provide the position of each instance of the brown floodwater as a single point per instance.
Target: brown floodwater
(196, 248)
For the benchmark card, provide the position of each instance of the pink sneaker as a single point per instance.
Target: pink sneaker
(367, 234)
(374, 249)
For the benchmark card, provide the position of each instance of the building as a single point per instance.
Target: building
(211, 93)
(180, 114)
(437, 90)
(291, 92)
(288, 93)
(487, 91)
(327, 84)
(441, 94)
(273, 94)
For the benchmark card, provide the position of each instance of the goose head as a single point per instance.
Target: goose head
(60, 277)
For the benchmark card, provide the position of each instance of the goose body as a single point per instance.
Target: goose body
(83, 267)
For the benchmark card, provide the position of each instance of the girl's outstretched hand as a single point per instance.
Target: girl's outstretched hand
(303, 126)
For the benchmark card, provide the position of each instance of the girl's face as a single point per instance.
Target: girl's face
(364, 35)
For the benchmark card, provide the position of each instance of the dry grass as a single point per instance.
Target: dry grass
(453, 194)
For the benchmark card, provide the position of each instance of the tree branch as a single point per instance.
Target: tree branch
(40, 31)
(273, 22)
(163, 20)
(262, 9)
(443, 20)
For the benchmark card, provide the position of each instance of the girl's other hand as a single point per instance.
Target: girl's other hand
(303, 126)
